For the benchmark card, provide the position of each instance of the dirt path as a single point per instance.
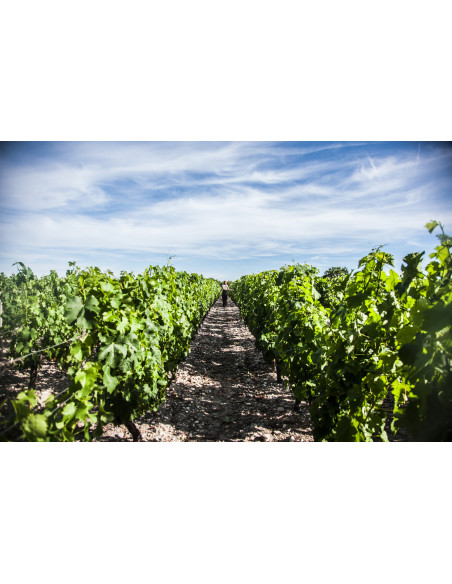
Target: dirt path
(223, 391)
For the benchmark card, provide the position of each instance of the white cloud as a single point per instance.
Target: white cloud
(199, 225)
(52, 187)
(58, 184)
(221, 201)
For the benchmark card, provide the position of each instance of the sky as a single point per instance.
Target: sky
(222, 209)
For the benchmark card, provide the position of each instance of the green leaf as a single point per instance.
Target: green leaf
(92, 304)
(69, 410)
(36, 425)
(87, 378)
(406, 334)
(27, 396)
(123, 325)
(109, 381)
(85, 320)
(115, 301)
(25, 334)
(76, 351)
(82, 411)
(107, 287)
(111, 354)
(72, 309)
(431, 225)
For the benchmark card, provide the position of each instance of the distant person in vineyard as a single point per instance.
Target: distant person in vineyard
(224, 294)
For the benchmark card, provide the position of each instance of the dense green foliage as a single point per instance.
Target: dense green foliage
(364, 348)
(118, 338)
(353, 344)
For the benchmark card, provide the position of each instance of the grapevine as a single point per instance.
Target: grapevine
(351, 343)
(119, 339)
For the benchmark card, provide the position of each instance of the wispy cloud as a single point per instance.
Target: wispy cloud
(217, 202)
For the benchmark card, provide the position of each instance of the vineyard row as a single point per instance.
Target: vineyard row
(367, 350)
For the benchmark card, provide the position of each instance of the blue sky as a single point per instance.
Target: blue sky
(223, 209)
